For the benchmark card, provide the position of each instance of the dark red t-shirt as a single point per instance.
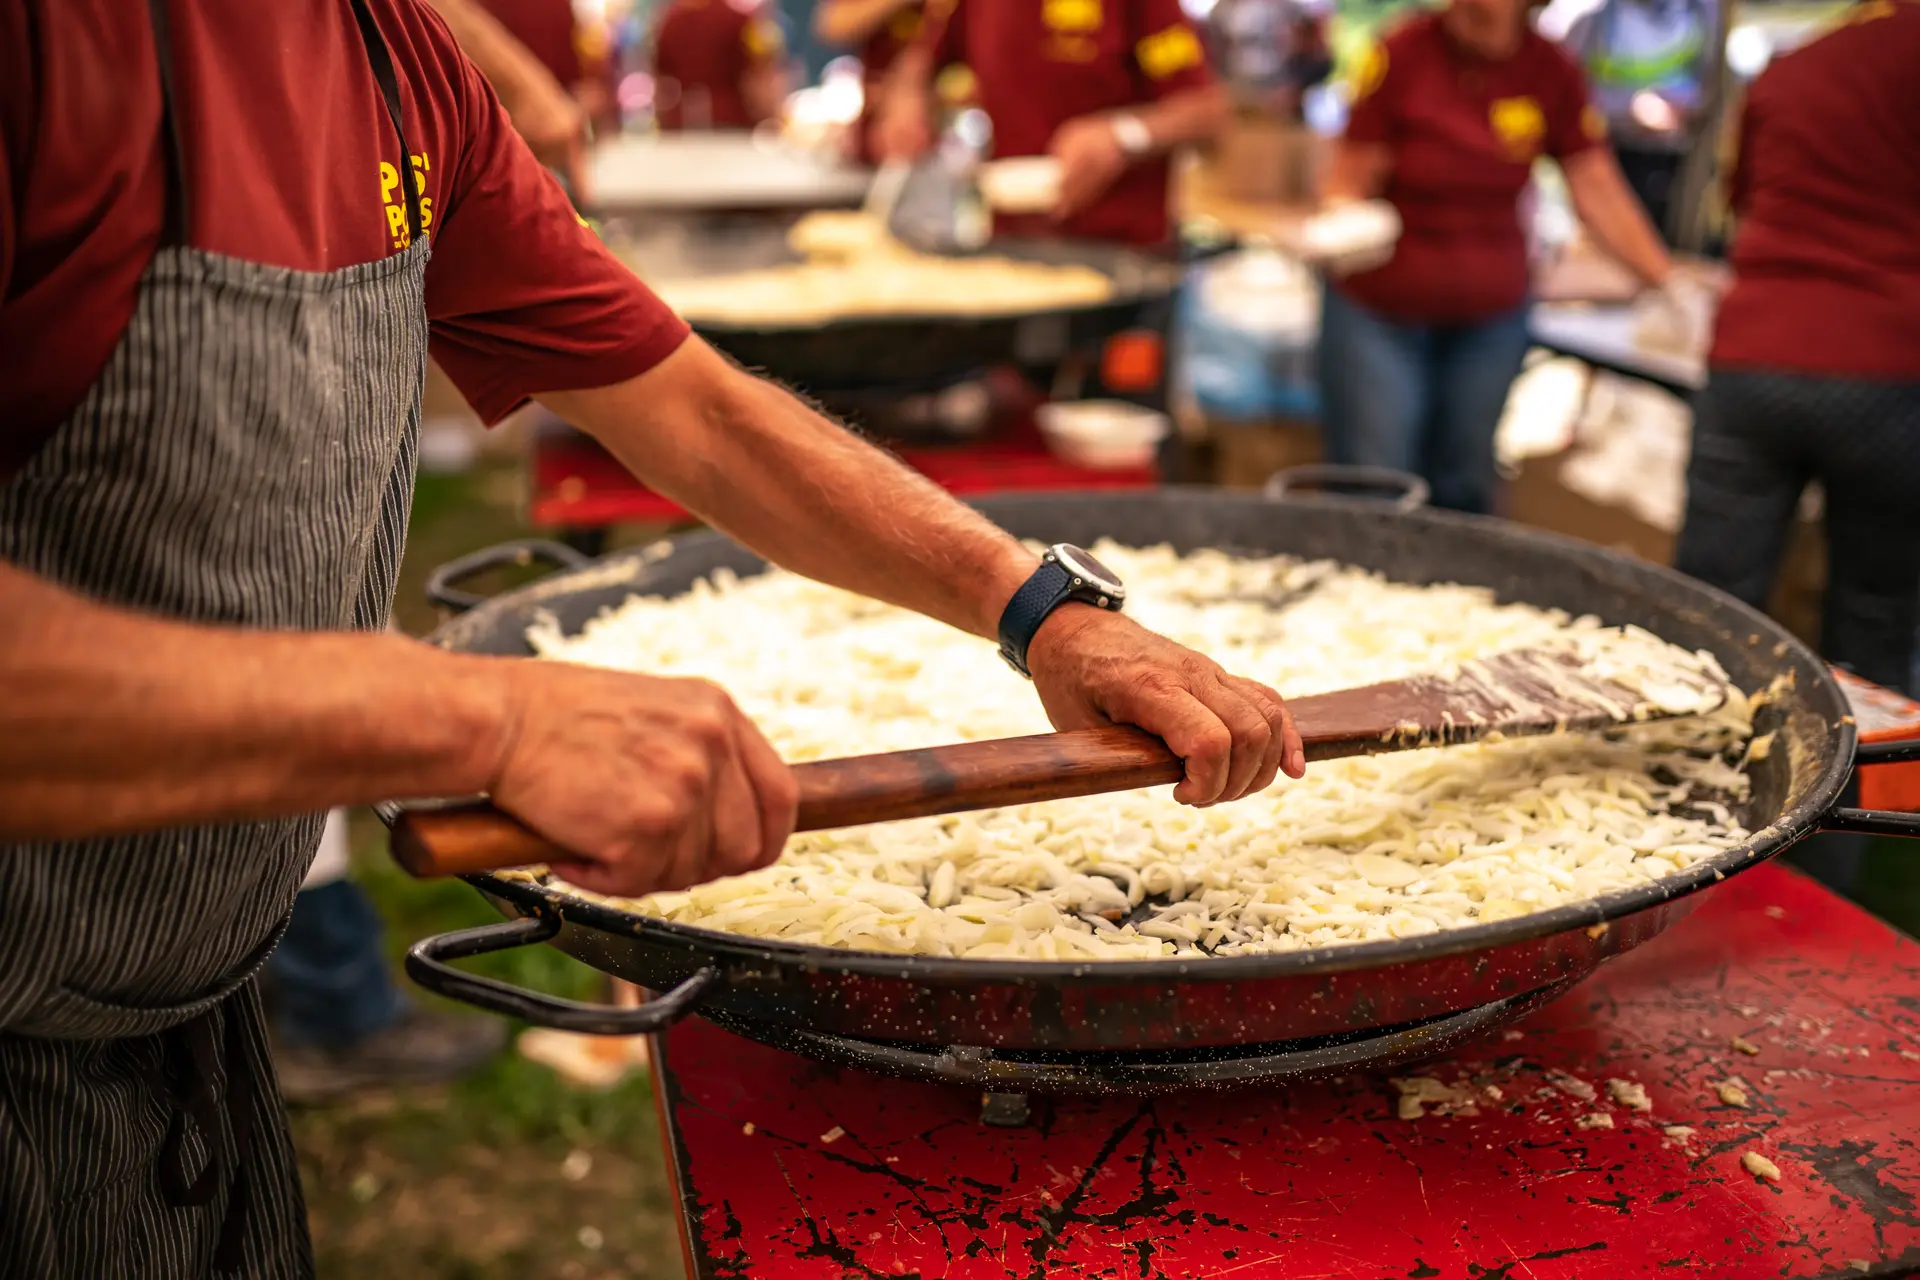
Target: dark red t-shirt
(1826, 257)
(291, 160)
(1040, 63)
(548, 29)
(703, 50)
(1464, 133)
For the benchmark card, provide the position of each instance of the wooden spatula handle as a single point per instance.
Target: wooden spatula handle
(468, 839)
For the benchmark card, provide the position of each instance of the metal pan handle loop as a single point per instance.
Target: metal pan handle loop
(426, 965)
(1401, 490)
(442, 588)
(1877, 822)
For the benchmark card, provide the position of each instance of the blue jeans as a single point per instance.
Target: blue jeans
(329, 976)
(1420, 398)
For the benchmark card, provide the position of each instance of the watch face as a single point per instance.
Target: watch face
(1082, 565)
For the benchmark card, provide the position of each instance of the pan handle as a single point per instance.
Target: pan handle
(426, 965)
(1877, 822)
(441, 583)
(1403, 490)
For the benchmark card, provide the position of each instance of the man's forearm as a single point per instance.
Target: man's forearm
(1190, 116)
(1613, 215)
(111, 721)
(808, 494)
(850, 22)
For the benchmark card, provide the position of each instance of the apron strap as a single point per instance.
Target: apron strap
(191, 1057)
(381, 61)
(173, 227)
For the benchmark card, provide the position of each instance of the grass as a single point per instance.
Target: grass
(512, 1172)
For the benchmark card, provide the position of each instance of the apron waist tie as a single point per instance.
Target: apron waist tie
(187, 1078)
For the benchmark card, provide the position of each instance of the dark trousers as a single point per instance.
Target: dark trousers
(1758, 438)
(1655, 178)
(1419, 398)
(328, 978)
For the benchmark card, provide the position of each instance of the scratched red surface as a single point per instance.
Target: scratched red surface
(1323, 1180)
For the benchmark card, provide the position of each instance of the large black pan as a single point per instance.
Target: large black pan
(1350, 1004)
(905, 349)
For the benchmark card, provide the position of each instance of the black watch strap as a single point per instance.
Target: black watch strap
(1037, 597)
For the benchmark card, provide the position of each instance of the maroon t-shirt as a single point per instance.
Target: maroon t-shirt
(548, 29)
(703, 50)
(1826, 257)
(1040, 63)
(1464, 133)
(291, 161)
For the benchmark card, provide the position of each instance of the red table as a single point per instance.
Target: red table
(788, 1168)
(578, 485)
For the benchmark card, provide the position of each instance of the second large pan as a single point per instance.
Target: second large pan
(902, 350)
(1465, 978)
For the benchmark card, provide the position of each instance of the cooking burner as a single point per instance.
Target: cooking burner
(1014, 1072)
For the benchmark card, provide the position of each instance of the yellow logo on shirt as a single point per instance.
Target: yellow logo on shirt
(1369, 71)
(762, 38)
(1071, 15)
(394, 200)
(1169, 52)
(1519, 124)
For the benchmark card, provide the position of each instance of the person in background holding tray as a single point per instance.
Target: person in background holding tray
(1417, 355)
(222, 267)
(1110, 88)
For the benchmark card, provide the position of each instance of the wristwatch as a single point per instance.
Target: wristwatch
(1065, 573)
(1131, 132)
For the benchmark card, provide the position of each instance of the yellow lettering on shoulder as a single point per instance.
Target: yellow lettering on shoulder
(762, 38)
(1071, 15)
(1169, 52)
(1369, 71)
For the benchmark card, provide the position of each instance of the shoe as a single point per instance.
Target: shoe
(426, 1046)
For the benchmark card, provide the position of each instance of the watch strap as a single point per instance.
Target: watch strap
(1037, 597)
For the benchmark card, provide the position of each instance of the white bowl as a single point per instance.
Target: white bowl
(1348, 237)
(1104, 435)
(1023, 184)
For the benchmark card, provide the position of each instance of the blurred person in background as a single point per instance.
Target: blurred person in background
(1651, 66)
(1110, 88)
(877, 31)
(1417, 355)
(1814, 372)
(526, 50)
(718, 64)
(1270, 52)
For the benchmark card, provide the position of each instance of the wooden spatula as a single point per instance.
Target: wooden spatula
(1528, 691)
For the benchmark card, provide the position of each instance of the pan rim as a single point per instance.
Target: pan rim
(741, 951)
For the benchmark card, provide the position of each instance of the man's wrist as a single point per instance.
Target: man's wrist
(1132, 134)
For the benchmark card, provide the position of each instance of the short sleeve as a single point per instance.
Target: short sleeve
(522, 295)
(1373, 88)
(1168, 49)
(1575, 122)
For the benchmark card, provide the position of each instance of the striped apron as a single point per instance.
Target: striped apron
(245, 459)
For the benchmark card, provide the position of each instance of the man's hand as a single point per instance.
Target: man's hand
(903, 127)
(654, 783)
(1090, 160)
(1092, 667)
